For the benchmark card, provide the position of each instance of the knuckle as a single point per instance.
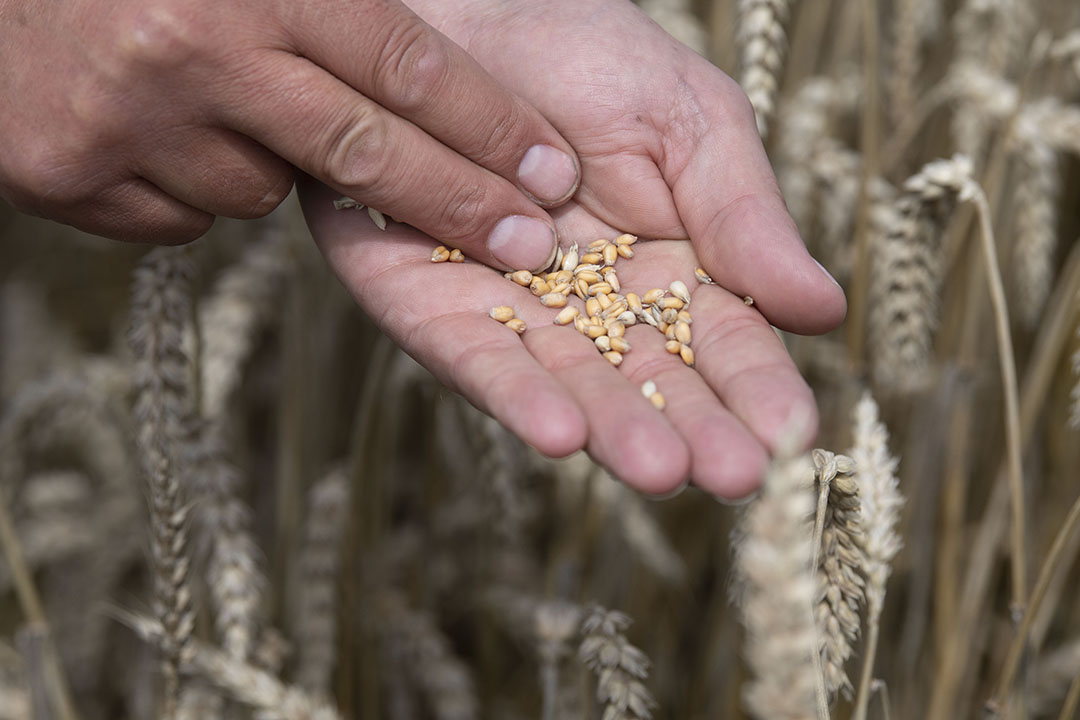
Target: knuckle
(159, 36)
(505, 134)
(413, 64)
(463, 212)
(355, 155)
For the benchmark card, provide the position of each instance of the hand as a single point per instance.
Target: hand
(668, 148)
(142, 120)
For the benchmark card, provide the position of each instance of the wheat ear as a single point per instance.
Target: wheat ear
(762, 41)
(1036, 200)
(905, 272)
(556, 623)
(320, 560)
(839, 562)
(245, 299)
(160, 311)
(621, 668)
(880, 498)
(780, 589)
(235, 579)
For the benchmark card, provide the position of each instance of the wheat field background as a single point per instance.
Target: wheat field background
(213, 507)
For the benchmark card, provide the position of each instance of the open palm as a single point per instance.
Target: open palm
(669, 149)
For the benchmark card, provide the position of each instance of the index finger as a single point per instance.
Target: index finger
(385, 51)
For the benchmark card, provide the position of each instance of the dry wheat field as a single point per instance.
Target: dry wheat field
(213, 507)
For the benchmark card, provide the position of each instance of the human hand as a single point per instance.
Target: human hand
(654, 128)
(142, 121)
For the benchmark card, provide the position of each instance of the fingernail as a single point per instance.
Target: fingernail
(522, 243)
(827, 273)
(548, 174)
(674, 492)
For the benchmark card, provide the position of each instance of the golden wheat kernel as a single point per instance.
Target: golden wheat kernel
(522, 277)
(613, 280)
(687, 355)
(625, 252)
(581, 288)
(598, 245)
(703, 277)
(563, 276)
(603, 343)
(611, 254)
(516, 324)
(580, 323)
(592, 258)
(684, 315)
(748, 301)
(648, 388)
(502, 313)
(619, 344)
(604, 300)
(553, 300)
(539, 286)
(652, 296)
(570, 259)
(669, 316)
(440, 254)
(682, 332)
(592, 306)
(628, 319)
(595, 331)
(671, 302)
(456, 256)
(567, 315)
(615, 309)
(678, 289)
(589, 276)
(657, 401)
(595, 320)
(562, 288)
(615, 328)
(673, 346)
(613, 357)
(600, 287)
(669, 332)
(626, 239)
(634, 302)
(662, 327)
